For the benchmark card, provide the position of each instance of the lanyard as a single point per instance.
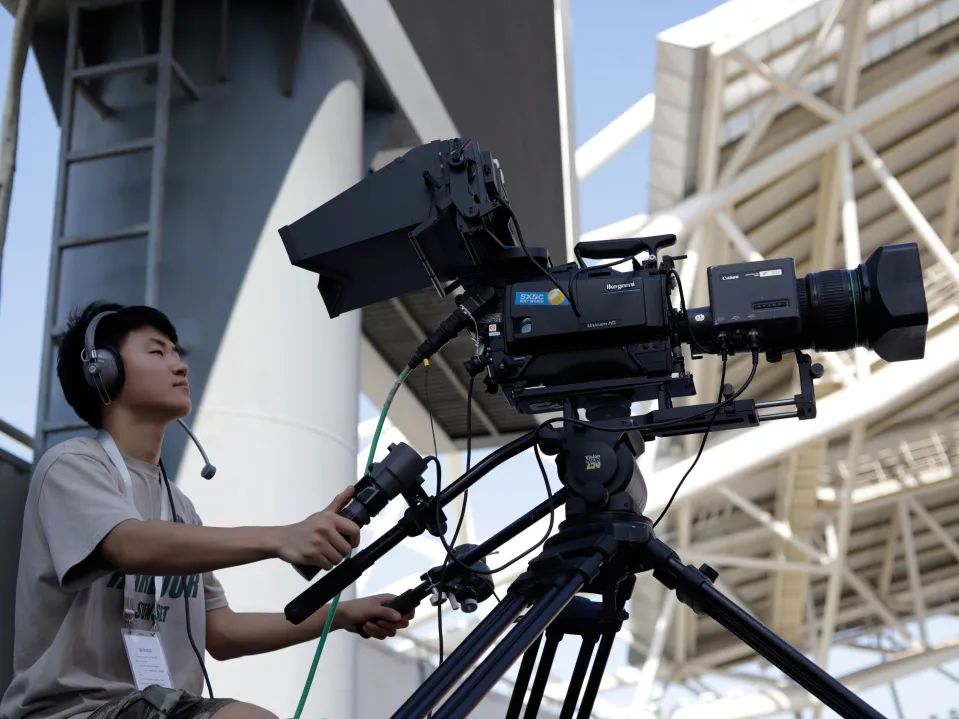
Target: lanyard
(129, 601)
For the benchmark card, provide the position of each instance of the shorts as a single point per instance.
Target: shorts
(156, 702)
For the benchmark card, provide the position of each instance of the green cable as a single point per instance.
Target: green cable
(316, 657)
(386, 407)
(336, 600)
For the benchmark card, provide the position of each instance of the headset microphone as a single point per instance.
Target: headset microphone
(103, 371)
(208, 469)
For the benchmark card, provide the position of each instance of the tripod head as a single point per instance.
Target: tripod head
(598, 467)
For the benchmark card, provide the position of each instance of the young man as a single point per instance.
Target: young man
(111, 595)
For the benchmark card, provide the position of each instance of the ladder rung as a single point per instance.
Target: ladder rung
(65, 427)
(16, 433)
(123, 233)
(185, 80)
(113, 68)
(98, 105)
(103, 4)
(144, 144)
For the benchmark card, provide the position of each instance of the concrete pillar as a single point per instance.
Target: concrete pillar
(274, 381)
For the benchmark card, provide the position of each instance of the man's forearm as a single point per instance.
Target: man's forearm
(163, 548)
(231, 634)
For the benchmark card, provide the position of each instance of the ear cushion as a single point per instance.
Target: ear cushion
(110, 375)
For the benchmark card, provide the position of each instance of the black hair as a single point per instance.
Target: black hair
(112, 333)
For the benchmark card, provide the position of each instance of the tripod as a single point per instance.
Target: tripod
(600, 547)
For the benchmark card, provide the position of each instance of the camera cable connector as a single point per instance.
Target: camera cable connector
(458, 320)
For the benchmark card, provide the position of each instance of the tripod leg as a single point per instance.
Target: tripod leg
(596, 675)
(522, 680)
(439, 682)
(553, 638)
(694, 588)
(542, 613)
(579, 675)
(800, 669)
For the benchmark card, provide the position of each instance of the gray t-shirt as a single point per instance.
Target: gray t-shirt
(69, 656)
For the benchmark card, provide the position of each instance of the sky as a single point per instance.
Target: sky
(613, 64)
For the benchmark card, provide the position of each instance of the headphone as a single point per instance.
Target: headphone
(102, 366)
(103, 371)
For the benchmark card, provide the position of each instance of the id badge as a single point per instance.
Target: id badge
(147, 660)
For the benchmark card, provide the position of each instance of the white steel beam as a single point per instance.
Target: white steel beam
(687, 274)
(644, 684)
(711, 125)
(395, 57)
(826, 223)
(912, 566)
(737, 237)
(899, 195)
(852, 249)
(627, 227)
(888, 491)
(791, 90)
(855, 26)
(760, 563)
(406, 413)
(605, 144)
(842, 526)
(843, 95)
(870, 398)
(952, 200)
(683, 623)
(775, 526)
(562, 40)
(794, 699)
(782, 530)
(745, 146)
(889, 556)
(693, 211)
(947, 541)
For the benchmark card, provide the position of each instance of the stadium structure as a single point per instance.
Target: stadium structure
(818, 129)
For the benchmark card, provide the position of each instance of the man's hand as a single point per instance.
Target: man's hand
(371, 615)
(322, 539)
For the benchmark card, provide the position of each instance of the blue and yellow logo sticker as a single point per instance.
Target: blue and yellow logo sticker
(540, 299)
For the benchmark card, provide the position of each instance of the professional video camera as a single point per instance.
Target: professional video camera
(439, 214)
(586, 341)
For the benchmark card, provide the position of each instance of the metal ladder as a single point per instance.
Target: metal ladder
(75, 79)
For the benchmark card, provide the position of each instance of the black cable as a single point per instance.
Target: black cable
(702, 444)
(656, 425)
(449, 549)
(429, 412)
(469, 456)
(186, 599)
(682, 306)
(714, 410)
(439, 628)
(541, 268)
